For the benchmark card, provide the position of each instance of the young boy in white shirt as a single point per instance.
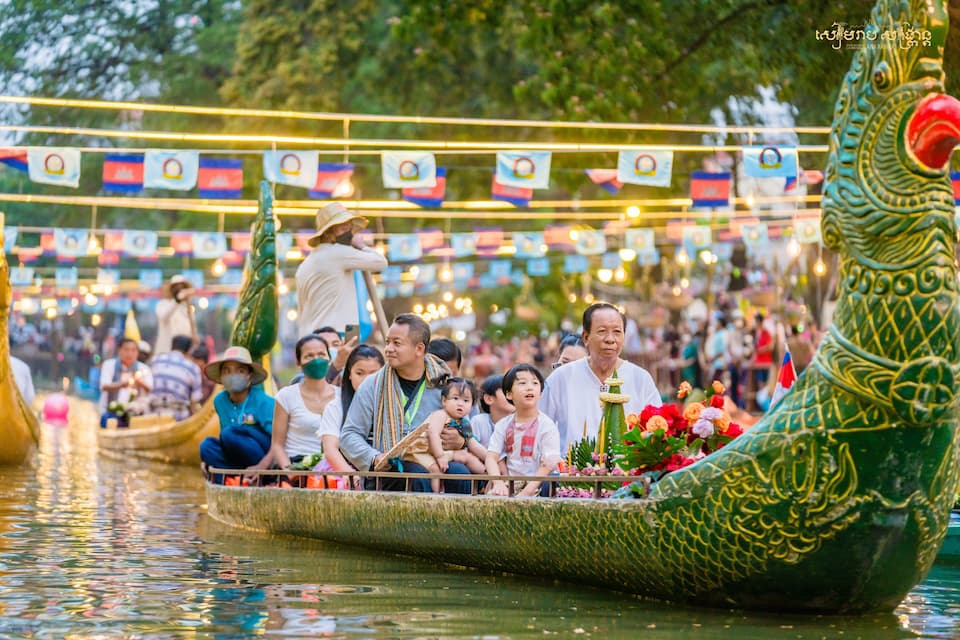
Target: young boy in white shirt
(526, 443)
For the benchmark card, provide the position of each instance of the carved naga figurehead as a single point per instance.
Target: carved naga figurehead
(888, 202)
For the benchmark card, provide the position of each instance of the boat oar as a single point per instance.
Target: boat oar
(377, 306)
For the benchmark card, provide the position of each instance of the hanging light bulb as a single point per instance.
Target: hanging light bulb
(683, 258)
(820, 267)
(793, 248)
(604, 275)
(750, 201)
(684, 283)
(627, 254)
(93, 246)
(218, 268)
(633, 211)
(620, 274)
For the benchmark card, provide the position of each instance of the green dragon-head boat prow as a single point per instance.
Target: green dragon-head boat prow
(854, 472)
(258, 311)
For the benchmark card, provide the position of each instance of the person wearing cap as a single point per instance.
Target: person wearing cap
(174, 313)
(326, 295)
(244, 409)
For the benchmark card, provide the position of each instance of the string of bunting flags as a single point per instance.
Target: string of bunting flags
(516, 174)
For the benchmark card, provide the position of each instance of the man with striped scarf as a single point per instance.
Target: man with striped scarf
(395, 401)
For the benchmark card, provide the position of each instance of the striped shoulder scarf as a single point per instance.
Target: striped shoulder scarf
(388, 419)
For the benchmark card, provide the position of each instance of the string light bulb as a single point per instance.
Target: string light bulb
(820, 267)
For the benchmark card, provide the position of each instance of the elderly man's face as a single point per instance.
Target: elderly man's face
(401, 350)
(605, 338)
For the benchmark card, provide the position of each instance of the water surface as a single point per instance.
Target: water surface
(91, 547)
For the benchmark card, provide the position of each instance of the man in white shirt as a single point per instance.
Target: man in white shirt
(326, 295)
(23, 378)
(174, 313)
(123, 378)
(572, 393)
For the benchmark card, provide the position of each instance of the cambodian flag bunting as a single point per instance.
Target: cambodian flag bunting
(182, 243)
(557, 236)
(140, 243)
(591, 242)
(175, 170)
(59, 166)
(295, 168)
(529, 244)
(640, 240)
(785, 380)
(123, 173)
(429, 196)
(209, 244)
(333, 179)
(220, 178)
(770, 162)
(710, 189)
(14, 158)
(150, 278)
(605, 178)
(463, 244)
(955, 179)
(65, 277)
(21, 276)
(71, 243)
(647, 167)
(523, 169)
(404, 247)
(575, 264)
(408, 169)
(807, 229)
(517, 196)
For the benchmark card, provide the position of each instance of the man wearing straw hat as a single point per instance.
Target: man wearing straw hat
(326, 295)
(174, 313)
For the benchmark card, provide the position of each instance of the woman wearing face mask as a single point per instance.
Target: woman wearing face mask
(362, 362)
(300, 406)
(244, 409)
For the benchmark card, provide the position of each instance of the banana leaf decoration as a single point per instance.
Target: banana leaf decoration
(258, 310)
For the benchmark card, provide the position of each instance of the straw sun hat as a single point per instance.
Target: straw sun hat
(330, 216)
(174, 281)
(236, 354)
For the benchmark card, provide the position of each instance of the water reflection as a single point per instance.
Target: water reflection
(92, 547)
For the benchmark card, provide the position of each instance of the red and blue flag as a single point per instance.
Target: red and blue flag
(431, 197)
(605, 178)
(123, 173)
(331, 175)
(220, 178)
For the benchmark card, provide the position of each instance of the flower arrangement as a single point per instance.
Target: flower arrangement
(673, 436)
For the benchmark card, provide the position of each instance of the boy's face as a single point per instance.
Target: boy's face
(525, 393)
(458, 402)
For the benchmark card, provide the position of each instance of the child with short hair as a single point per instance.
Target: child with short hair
(526, 443)
(456, 397)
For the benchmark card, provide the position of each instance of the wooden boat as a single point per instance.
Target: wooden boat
(160, 438)
(836, 501)
(19, 426)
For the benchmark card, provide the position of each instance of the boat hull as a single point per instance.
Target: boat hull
(598, 542)
(153, 438)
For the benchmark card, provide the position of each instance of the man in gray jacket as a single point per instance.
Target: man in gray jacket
(395, 401)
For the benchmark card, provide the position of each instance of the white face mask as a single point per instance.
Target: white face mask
(235, 382)
(333, 354)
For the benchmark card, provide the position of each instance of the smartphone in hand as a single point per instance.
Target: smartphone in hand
(351, 331)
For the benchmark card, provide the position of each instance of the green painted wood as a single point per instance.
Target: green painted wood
(258, 310)
(839, 500)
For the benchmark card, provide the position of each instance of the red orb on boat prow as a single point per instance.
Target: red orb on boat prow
(56, 409)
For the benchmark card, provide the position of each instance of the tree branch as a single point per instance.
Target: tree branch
(702, 39)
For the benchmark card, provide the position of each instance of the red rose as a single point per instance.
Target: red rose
(733, 430)
(716, 402)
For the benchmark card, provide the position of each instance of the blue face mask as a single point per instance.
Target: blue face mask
(235, 382)
(333, 353)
